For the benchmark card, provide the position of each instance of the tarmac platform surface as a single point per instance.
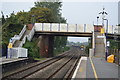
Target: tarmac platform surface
(96, 69)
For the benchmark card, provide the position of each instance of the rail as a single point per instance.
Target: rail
(66, 59)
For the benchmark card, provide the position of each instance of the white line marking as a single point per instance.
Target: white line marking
(74, 75)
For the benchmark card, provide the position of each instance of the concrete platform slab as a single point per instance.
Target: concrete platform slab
(97, 69)
(4, 60)
(105, 69)
(80, 71)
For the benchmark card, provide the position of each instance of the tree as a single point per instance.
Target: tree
(3, 18)
(55, 7)
(54, 17)
(42, 15)
(22, 17)
(43, 12)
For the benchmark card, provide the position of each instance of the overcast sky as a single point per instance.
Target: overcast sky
(76, 12)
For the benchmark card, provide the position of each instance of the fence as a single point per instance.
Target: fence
(18, 52)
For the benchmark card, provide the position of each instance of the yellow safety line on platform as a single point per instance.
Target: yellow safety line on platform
(81, 69)
(95, 74)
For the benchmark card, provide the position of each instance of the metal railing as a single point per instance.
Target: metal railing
(23, 41)
(19, 52)
(20, 35)
(31, 34)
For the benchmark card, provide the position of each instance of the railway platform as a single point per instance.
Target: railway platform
(4, 60)
(96, 68)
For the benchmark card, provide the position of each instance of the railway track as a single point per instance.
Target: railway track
(59, 67)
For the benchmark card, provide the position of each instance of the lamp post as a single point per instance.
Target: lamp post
(106, 38)
(103, 15)
(33, 19)
(97, 22)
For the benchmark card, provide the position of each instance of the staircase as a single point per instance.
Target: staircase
(18, 42)
(99, 45)
(24, 34)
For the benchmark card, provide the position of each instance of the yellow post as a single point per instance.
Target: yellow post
(102, 31)
(10, 45)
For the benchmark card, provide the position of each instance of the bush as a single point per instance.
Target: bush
(33, 50)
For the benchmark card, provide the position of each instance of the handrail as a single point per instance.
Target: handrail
(23, 41)
(22, 32)
(31, 34)
(29, 37)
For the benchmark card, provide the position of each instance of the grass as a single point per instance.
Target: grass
(39, 59)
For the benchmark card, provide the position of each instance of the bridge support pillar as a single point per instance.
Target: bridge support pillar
(46, 46)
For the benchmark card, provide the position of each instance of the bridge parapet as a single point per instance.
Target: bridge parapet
(61, 27)
(117, 29)
(113, 29)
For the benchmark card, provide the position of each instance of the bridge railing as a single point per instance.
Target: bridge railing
(28, 37)
(56, 27)
(31, 34)
(14, 39)
(22, 32)
(113, 29)
(62, 27)
(20, 35)
(23, 41)
(117, 29)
